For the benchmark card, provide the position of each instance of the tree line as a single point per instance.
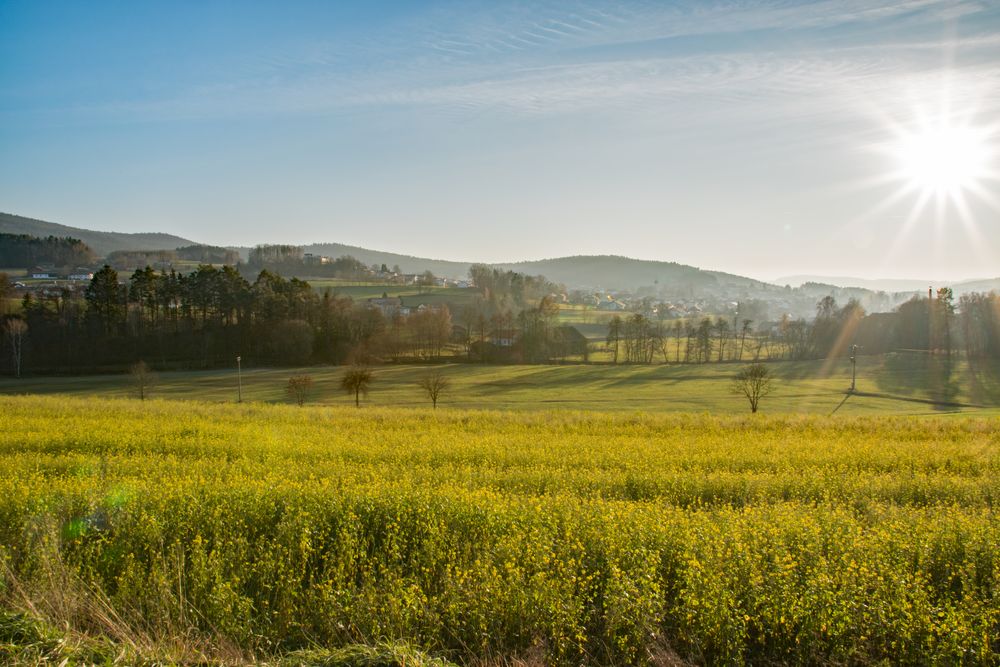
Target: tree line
(206, 318)
(935, 325)
(24, 251)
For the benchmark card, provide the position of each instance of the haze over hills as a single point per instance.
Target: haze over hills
(100, 242)
(606, 271)
(610, 272)
(893, 284)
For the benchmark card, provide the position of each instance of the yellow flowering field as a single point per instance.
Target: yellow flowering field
(476, 536)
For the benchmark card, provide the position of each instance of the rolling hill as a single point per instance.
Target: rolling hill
(100, 242)
(609, 272)
(616, 272)
(605, 271)
(894, 284)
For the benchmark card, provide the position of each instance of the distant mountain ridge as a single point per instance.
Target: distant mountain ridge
(609, 272)
(100, 242)
(894, 284)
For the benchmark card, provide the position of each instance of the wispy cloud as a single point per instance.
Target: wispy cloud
(529, 60)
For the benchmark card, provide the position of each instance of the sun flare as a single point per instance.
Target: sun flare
(943, 159)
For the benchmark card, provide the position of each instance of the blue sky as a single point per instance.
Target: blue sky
(743, 136)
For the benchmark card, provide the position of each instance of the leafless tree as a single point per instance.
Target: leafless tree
(142, 378)
(16, 331)
(298, 388)
(357, 381)
(433, 384)
(754, 382)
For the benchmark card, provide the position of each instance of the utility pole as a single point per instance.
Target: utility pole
(854, 366)
(239, 380)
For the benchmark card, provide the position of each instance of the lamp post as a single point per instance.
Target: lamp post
(239, 380)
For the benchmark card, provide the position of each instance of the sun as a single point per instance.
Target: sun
(943, 159)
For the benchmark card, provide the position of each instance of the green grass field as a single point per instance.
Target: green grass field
(412, 296)
(886, 385)
(166, 532)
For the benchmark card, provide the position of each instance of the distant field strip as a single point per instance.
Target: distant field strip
(587, 538)
(809, 387)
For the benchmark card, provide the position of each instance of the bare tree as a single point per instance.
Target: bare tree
(746, 329)
(754, 382)
(16, 331)
(298, 388)
(433, 384)
(142, 378)
(357, 381)
(614, 336)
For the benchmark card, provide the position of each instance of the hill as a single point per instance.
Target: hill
(616, 272)
(610, 272)
(101, 243)
(604, 271)
(985, 285)
(408, 263)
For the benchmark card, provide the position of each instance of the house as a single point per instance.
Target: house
(314, 260)
(567, 340)
(389, 306)
(81, 276)
(611, 304)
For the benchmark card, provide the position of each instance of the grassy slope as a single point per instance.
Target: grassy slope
(889, 387)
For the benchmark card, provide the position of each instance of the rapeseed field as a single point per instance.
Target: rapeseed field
(479, 537)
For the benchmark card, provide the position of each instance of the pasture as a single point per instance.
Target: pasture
(891, 384)
(190, 532)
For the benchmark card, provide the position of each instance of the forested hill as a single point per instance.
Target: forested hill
(616, 272)
(606, 271)
(408, 263)
(101, 243)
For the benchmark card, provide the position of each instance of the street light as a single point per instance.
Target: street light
(239, 380)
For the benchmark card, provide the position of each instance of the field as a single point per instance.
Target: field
(891, 384)
(411, 295)
(186, 531)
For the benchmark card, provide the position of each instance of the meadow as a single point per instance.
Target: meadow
(192, 532)
(887, 384)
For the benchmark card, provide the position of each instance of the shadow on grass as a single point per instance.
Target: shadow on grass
(921, 376)
(983, 379)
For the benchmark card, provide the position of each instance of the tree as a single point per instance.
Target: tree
(614, 336)
(754, 382)
(291, 342)
(433, 384)
(16, 331)
(357, 381)
(744, 330)
(298, 388)
(105, 298)
(5, 290)
(142, 378)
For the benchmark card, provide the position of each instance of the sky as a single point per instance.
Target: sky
(759, 138)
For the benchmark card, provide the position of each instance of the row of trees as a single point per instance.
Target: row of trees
(935, 325)
(509, 289)
(207, 317)
(25, 251)
(292, 260)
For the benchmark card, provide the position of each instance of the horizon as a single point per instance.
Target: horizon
(776, 280)
(761, 139)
